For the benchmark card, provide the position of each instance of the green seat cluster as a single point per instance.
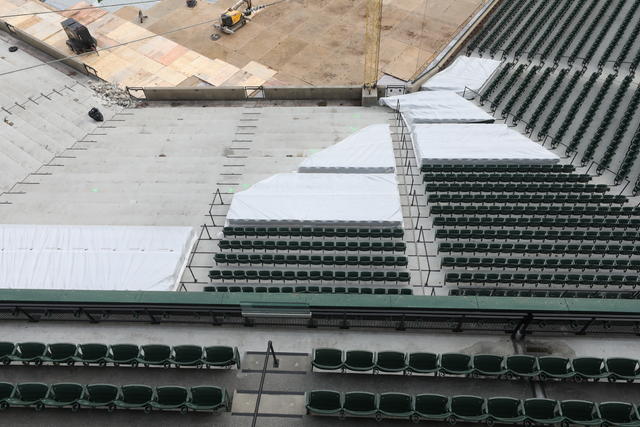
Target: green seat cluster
(561, 279)
(502, 177)
(546, 222)
(295, 259)
(362, 290)
(544, 293)
(551, 263)
(536, 248)
(527, 199)
(313, 275)
(119, 354)
(351, 232)
(472, 409)
(543, 210)
(512, 168)
(110, 397)
(487, 187)
(485, 365)
(553, 235)
(312, 245)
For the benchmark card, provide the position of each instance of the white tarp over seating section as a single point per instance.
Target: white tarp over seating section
(319, 198)
(476, 143)
(93, 257)
(369, 150)
(465, 71)
(436, 107)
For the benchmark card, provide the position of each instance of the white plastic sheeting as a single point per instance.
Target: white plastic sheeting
(93, 257)
(436, 107)
(465, 71)
(369, 150)
(319, 198)
(476, 143)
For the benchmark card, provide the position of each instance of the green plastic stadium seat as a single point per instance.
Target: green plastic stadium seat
(155, 355)
(455, 364)
(391, 361)
(170, 397)
(621, 368)
(60, 353)
(468, 408)
(221, 356)
(488, 364)
(395, 405)
(423, 363)
(521, 365)
(27, 352)
(208, 398)
(619, 414)
(187, 355)
(580, 412)
(7, 391)
(359, 403)
(542, 411)
(327, 358)
(555, 367)
(6, 351)
(100, 395)
(432, 407)
(359, 360)
(506, 410)
(323, 402)
(588, 367)
(29, 394)
(123, 354)
(135, 396)
(64, 394)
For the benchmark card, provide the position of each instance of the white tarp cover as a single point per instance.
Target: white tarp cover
(369, 150)
(319, 198)
(437, 107)
(93, 257)
(476, 143)
(465, 71)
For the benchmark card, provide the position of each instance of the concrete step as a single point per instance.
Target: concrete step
(29, 140)
(39, 126)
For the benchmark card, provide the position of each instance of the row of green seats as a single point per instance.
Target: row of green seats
(523, 222)
(118, 354)
(489, 234)
(309, 245)
(542, 293)
(539, 249)
(313, 275)
(311, 290)
(472, 409)
(375, 233)
(109, 397)
(535, 279)
(504, 177)
(542, 210)
(476, 168)
(534, 199)
(486, 365)
(544, 263)
(515, 188)
(353, 260)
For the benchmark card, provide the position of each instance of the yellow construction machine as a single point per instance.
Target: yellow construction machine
(235, 18)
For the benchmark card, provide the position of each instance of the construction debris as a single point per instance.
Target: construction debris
(111, 94)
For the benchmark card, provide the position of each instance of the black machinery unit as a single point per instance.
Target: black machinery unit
(80, 40)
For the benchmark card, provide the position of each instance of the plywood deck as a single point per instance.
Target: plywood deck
(155, 61)
(316, 42)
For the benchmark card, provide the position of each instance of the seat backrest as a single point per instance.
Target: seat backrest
(488, 362)
(102, 393)
(553, 364)
(31, 349)
(622, 366)
(432, 404)
(424, 361)
(587, 365)
(156, 352)
(6, 348)
(359, 358)
(67, 392)
(93, 351)
(395, 402)
(187, 352)
(577, 410)
(392, 359)
(171, 395)
(467, 405)
(32, 391)
(325, 400)
(219, 354)
(61, 350)
(6, 390)
(125, 351)
(327, 356)
(540, 409)
(617, 412)
(207, 395)
(455, 360)
(503, 407)
(137, 393)
(359, 401)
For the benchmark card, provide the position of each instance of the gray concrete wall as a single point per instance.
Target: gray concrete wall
(241, 93)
